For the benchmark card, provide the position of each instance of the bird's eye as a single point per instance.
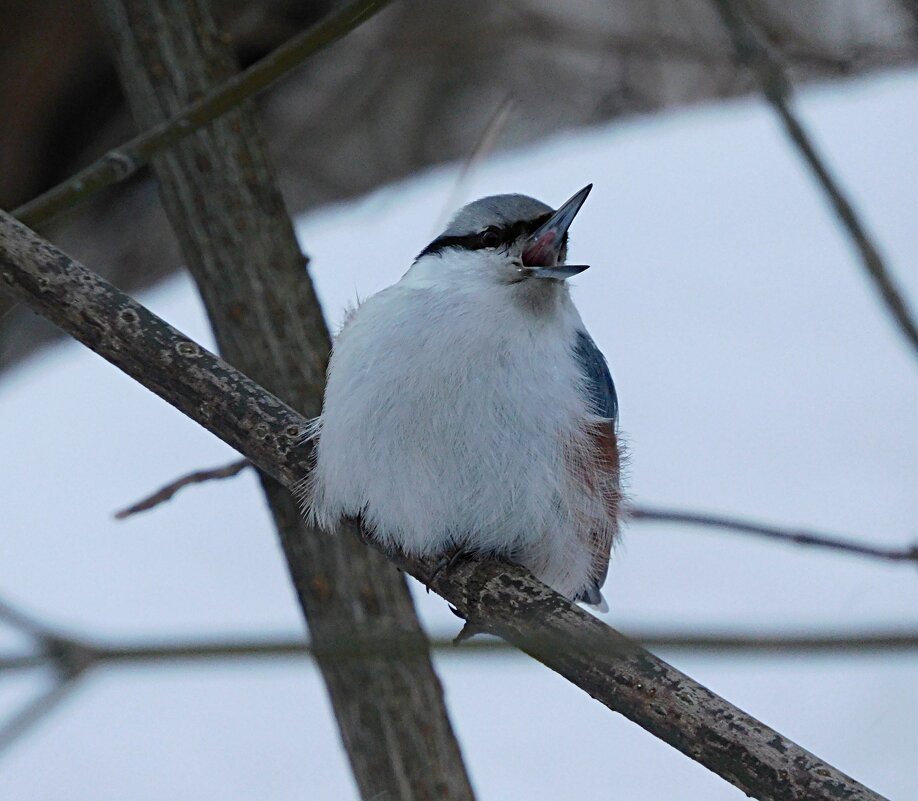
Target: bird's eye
(490, 237)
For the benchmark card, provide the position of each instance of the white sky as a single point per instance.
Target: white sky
(757, 374)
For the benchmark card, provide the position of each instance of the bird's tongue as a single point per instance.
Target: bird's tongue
(541, 252)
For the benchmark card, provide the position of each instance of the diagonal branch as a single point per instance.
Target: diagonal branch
(504, 599)
(123, 161)
(30, 714)
(25, 623)
(776, 89)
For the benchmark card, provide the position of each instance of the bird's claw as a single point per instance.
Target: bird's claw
(446, 562)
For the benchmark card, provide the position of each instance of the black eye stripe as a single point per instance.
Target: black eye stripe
(507, 233)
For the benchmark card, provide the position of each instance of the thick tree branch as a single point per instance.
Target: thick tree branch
(776, 88)
(503, 598)
(221, 197)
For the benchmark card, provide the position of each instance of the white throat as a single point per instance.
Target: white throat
(479, 273)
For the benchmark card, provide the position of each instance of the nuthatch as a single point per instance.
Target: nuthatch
(468, 410)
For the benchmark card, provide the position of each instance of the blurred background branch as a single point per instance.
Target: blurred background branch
(774, 533)
(122, 162)
(718, 644)
(422, 79)
(766, 65)
(69, 657)
(34, 711)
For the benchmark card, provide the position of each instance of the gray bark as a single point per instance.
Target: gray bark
(219, 192)
(501, 598)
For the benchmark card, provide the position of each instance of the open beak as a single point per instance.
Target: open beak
(543, 248)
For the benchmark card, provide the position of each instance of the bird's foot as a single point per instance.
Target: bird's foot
(447, 562)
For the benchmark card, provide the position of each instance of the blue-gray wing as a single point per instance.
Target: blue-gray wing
(599, 379)
(605, 404)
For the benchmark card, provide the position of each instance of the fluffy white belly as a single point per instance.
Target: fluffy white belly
(449, 419)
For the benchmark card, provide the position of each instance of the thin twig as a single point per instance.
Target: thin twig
(795, 536)
(33, 711)
(199, 476)
(17, 619)
(69, 655)
(351, 645)
(639, 514)
(720, 643)
(168, 654)
(776, 88)
(11, 662)
(123, 161)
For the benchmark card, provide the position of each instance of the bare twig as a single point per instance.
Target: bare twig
(33, 711)
(503, 599)
(776, 89)
(11, 662)
(639, 514)
(27, 624)
(123, 161)
(67, 657)
(795, 536)
(71, 658)
(349, 645)
(197, 477)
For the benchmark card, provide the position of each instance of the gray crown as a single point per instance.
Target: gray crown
(496, 210)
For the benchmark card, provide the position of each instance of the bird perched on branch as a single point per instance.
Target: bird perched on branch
(467, 409)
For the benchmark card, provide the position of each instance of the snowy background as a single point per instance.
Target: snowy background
(758, 375)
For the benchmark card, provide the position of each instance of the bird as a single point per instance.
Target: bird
(468, 411)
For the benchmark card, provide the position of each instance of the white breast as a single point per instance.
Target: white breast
(449, 412)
